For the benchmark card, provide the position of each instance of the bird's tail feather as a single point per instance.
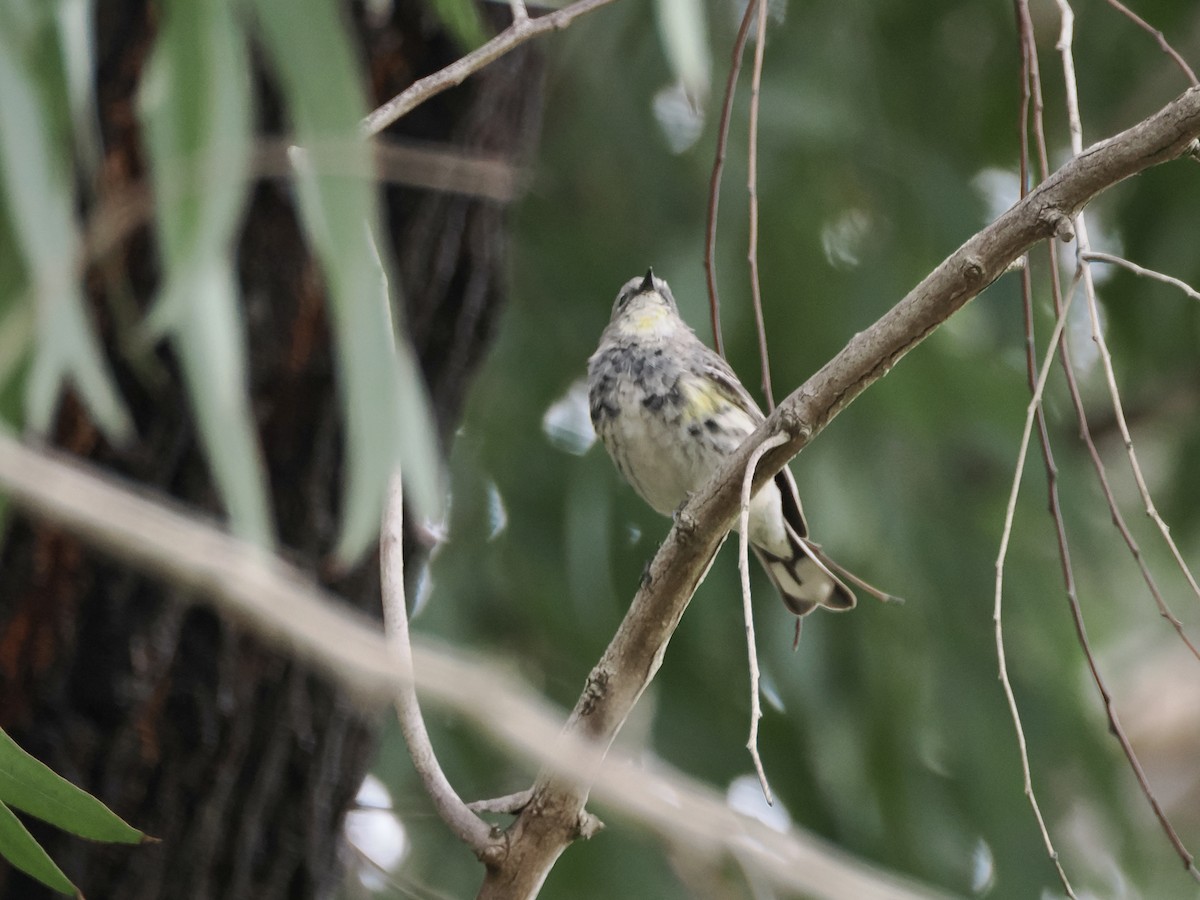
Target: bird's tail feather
(804, 582)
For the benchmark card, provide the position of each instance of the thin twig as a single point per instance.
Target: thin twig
(748, 610)
(426, 166)
(818, 553)
(1031, 92)
(1118, 519)
(1094, 256)
(1085, 273)
(714, 184)
(752, 185)
(1085, 433)
(466, 825)
(458, 71)
(1131, 453)
(1158, 36)
(997, 620)
(1072, 384)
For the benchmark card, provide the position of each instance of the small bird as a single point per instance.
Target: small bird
(669, 411)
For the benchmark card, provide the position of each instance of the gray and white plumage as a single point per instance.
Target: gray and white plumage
(669, 411)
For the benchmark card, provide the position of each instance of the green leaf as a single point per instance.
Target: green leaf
(423, 484)
(461, 18)
(195, 104)
(23, 852)
(73, 22)
(35, 155)
(34, 788)
(683, 30)
(383, 398)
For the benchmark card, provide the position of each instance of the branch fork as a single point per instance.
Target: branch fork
(701, 525)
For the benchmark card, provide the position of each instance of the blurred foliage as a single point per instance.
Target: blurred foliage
(196, 111)
(889, 136)
(41, 242)
(462, 19)
(201, 162)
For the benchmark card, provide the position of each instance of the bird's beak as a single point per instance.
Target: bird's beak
(647, 284)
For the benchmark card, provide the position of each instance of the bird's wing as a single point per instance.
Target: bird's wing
(789, 495)
(719, 371)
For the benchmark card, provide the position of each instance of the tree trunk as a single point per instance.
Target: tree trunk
(237, 759)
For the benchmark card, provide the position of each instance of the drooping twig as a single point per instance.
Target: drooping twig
(1072, 383)
(748, 609)
(1085, 433)
(466, 825)
(835, 568)
(714, 184)
(1085, 274)
(1032, 412)
(1118, 519)
(1158, 36)
(752, 185)
(521, 30)
(1031, 92)
(1131, 453)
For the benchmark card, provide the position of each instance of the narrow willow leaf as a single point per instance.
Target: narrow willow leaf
(683, 30)
(23, 852)
(195, 105)
(35, 158)
(424, 488)
(340, 213)
(73, 20)
(419, 451)
(33, 787)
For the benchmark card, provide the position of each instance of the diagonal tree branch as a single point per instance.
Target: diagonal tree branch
(550, 821)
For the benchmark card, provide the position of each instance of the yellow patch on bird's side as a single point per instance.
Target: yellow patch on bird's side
(703, 398)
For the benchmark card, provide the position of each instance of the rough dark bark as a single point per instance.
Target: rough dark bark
(238, 760)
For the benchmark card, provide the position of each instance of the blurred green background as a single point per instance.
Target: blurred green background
(888, 137)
